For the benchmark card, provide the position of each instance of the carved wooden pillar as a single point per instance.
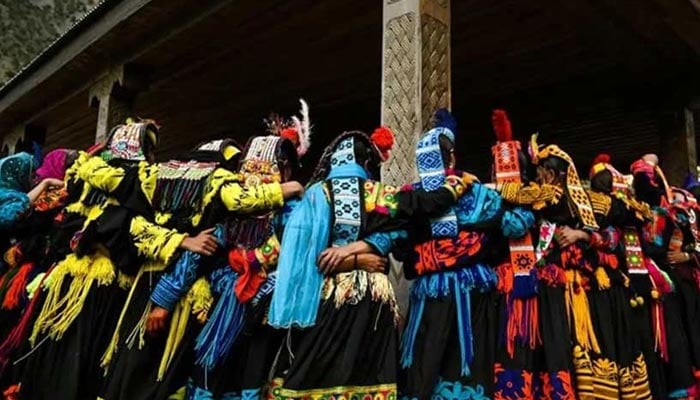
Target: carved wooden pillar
(416, 76)
(678, 148)
(415, 83)
(113, 96)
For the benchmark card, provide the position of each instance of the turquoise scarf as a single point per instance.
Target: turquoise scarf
(297, 296)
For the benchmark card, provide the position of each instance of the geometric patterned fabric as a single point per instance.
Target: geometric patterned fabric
(431, 170)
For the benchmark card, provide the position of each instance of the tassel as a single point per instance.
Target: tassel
(100, 271)
(15, 292)
(660, 279)
(200, 299)
(222, 329)
(411, 331)
(52, 284)
(578, 313)
(178, 326)
(113, 345)
(659, 327)
(601, 276)
(523, 323)
(464, 324)
(15, 338)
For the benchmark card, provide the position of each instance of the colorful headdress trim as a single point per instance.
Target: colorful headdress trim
(653, 172)
(576, 193)
(225, 147)
(620, 187)
(431, 170)
(127, 142)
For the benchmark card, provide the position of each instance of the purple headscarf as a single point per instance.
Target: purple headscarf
(53, 166)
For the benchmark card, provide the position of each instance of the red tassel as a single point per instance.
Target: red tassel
(523, 323)
(659, 326)
(18, 334)
(16, 291)
(383, 139)
(501, 126)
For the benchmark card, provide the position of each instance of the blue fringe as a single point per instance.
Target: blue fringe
(225, 323)
(441, 285)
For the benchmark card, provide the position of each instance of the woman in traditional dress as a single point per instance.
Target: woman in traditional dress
(522, 371)
(342, 328)
(620, 315)
(150, 354)
(666, 238)
(84, 290)
(34, 251)
(236, 348)
(449, 343)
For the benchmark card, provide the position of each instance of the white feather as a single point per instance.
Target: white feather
(305, 131)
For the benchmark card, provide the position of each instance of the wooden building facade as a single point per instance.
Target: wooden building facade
(593, 75)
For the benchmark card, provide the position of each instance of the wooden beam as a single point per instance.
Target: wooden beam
(45, 70)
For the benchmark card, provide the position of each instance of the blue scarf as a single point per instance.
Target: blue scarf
(297, 295)
(431, 170)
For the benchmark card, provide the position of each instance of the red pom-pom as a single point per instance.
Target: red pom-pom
(602, 158)
(501, 126)
(290, 134)
(383, 139)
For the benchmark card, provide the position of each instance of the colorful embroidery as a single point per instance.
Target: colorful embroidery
(181, 185)
(375, 392)
(512, 384)
(444, 254)
(432, 174)
(346, 209)
(380, 198)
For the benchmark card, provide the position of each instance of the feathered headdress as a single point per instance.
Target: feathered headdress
(297, 130)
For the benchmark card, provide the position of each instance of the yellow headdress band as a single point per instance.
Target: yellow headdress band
(577, 194)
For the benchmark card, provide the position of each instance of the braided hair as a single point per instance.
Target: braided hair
(365, 154)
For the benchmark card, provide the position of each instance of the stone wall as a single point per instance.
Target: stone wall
(28, 26)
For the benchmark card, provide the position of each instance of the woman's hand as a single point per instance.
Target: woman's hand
(567, 236)
(331, 258)
(292, 189)
(677, 257)
(204, 243)
(53, 183)
(371, 262)
(157, 319)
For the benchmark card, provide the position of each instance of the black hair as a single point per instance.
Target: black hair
(446, 149)
(602, 182)
(365, 154)
(216, 156)
(287, 156)
(646, 191)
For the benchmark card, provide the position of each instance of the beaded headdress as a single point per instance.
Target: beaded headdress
(128, 141)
